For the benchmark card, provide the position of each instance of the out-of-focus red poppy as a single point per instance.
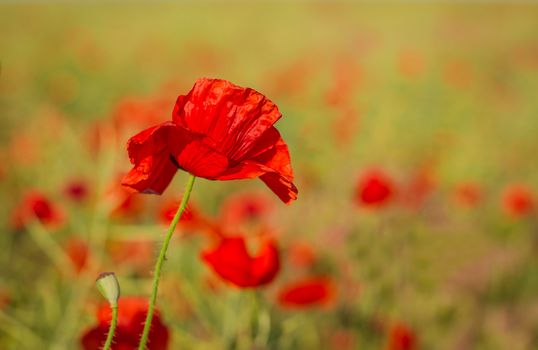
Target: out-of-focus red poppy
(374, 189)
(78, 252)
(137, 254)
(35, 205)
(467, 194)
(77, 190)
(401, 337)
(231, 260)
(518, 201)
(190, 217)
(131, 315)
(301, 254)
(244, 207)
(134, 113)
(124, 202)
(310, 292)
(220, 131)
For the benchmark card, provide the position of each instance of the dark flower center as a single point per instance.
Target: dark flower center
(174, 161)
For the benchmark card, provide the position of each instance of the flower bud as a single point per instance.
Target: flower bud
(108, 285)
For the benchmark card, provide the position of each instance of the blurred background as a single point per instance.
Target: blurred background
(413, 132)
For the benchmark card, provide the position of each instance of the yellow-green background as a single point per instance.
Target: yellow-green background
(462, 279)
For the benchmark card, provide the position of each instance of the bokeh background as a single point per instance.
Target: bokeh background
(437, 101)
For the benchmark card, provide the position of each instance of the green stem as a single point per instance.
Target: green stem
(160, 260)
(112, 328)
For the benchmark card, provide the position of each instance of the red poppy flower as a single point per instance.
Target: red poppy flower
(243, 207)
(189, 217)
(124, 203)
(314, 291)
(36, 205)
(78, 252)
(219, 131)
(232, 262)
(139, 112)
(374, 189)
(77, 190)
(301, 254)
(401, 338)
(131, 316)
(467, 194)
(518, 201)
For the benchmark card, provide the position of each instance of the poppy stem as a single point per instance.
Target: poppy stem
(160, 261)
(112, 328)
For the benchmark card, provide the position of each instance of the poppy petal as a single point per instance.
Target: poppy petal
(150, 154)
(201, 160)
(270, 162)
(231, 261)
(309, 292)
(232, 116)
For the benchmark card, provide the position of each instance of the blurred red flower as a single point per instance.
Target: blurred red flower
(374, 189)
(518, 200)
(232, 262)
(189, 217)
(467, 194)
(313, 291)
(133, 113)
(77, 190)
(243, 207)
(132, 313)
(123, 202)
(78, 252)
(301, 254)
(220, 131)
(401, 338)
(35, 205)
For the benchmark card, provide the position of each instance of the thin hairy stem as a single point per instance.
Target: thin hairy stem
(160, 261)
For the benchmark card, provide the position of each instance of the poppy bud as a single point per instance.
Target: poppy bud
(108, 286)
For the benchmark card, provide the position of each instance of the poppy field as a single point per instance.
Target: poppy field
(310, 175)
